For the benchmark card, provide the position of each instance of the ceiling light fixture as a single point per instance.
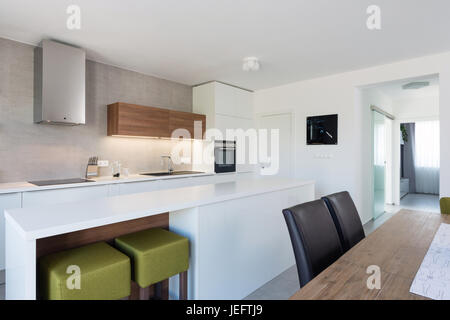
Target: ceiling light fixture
(415, 85)
(251, 64)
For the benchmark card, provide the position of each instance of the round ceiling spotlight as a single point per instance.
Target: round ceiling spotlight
(251, 64)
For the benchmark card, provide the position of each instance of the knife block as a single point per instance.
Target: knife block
(91, 171)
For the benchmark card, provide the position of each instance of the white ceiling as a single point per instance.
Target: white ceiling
(193, 41)
(394, 89)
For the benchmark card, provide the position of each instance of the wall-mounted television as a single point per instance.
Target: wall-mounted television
(322, 129)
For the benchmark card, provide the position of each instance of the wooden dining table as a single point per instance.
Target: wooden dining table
(397, 247)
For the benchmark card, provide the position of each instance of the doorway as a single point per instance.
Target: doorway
(409, 161)
(420, 165)
(284, 123)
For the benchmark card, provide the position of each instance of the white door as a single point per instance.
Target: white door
(282, 122)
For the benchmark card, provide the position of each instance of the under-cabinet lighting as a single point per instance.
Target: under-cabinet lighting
(145, 137)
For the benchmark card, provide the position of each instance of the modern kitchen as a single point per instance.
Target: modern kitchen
(143, 167)
(207, 157)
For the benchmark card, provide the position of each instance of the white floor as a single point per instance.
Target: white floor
(412, 201)
(421, 202)
(280, 288)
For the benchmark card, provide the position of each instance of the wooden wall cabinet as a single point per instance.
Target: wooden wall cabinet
(187, 120)
(139, 121)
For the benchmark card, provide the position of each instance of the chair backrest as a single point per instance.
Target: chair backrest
(445, 205)
(346, 218)
(314, 238)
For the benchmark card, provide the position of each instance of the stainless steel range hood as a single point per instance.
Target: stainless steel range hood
(59, 84)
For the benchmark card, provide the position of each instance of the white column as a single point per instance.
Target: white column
(20, 264)
(237, 245)
(185, 223)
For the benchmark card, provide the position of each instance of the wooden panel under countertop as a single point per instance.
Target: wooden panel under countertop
(106, 233)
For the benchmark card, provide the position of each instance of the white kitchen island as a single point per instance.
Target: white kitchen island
(237, 232)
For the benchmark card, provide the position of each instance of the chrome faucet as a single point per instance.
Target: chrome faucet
(169, 162)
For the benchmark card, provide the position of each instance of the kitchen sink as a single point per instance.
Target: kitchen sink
(173, 173)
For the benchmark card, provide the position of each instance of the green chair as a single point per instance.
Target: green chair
(445, 205)
(156, 255)
(104, 274)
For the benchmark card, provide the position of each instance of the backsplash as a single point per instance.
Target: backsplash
(31, 151)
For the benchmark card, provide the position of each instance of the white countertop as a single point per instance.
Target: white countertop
(26, 186)
(45, 221)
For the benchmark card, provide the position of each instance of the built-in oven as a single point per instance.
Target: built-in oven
(224, 156)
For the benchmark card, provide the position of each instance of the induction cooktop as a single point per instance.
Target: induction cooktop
(57, 182)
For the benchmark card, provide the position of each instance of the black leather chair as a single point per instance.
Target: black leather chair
(314, 238)
(346, 218)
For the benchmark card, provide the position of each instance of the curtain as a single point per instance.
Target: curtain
(427, 157)
(409, 170)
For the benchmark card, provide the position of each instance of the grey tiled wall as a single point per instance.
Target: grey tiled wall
(31, 151)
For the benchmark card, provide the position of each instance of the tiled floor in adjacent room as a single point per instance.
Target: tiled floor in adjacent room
(421, 202)
(412, 201)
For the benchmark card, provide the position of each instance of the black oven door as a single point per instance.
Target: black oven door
(225, 156)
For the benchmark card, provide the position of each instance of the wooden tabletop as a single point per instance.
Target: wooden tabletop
(397, 247)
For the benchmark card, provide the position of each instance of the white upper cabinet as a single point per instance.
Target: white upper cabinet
(243, 104)
(226, 107)
(203, 101)
(224, 122)
(218, 98)
(225, 99)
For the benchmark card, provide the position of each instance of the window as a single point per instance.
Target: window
(427, 144)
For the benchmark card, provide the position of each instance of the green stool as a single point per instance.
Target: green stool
(156, 255)
(445, 205)
(105, 274)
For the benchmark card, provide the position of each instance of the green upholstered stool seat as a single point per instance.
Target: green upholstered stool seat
(156, 255)
(445, 205)
(105, 274)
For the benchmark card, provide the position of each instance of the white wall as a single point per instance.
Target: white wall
(416, 108)
(30, 151)
(349, 169)
(372, 96)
